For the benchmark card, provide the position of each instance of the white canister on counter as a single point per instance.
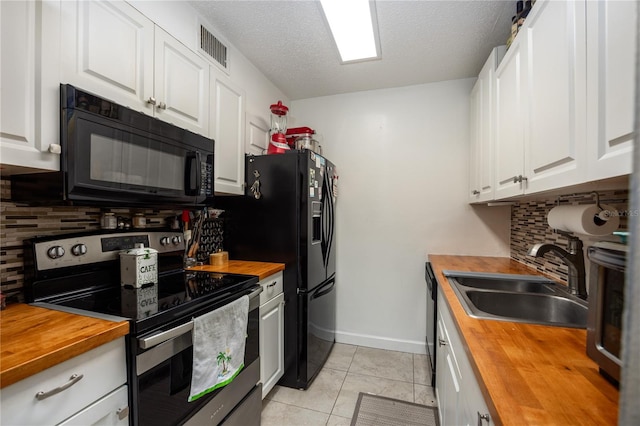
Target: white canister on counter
(138, 266)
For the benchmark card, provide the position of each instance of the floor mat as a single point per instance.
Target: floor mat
(382, 411)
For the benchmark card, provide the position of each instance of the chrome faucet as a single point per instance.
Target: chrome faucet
(574, 259)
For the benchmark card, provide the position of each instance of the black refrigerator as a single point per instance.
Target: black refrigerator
(288, 216)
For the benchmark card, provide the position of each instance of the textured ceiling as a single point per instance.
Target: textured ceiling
(421, 41)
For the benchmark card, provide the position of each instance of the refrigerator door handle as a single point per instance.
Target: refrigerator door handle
(327, 220)
(331, 224)
(325, 288)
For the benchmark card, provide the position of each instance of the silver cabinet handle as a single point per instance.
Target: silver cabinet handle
(123, 413)
(482, 417)
(162, 105)
(272, 284)
(151, 100)
(72, 381)
(442, 342)
(475, 192)
(519, 179)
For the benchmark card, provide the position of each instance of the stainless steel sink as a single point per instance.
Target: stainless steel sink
(509, 284)
(518, 298)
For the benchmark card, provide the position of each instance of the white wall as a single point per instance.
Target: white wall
(402, 158)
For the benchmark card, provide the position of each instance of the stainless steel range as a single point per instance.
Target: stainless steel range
(80, 273)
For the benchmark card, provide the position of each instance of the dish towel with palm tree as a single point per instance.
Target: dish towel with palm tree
(218, 347)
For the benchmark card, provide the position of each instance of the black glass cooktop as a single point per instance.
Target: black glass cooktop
(176, 295)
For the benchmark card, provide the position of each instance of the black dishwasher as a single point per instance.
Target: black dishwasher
(432, 301)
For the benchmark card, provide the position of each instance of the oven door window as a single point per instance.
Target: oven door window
(163, 391)
(106, 158)
(612, 306)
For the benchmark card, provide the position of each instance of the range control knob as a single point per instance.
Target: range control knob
(79, 249)
(164, 241)
(55, 252)
(176, 240)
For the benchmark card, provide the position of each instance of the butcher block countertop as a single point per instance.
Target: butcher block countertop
(33, 339)
(528, 374)
(261, 269)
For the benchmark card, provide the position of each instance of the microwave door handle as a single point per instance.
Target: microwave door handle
(191, 187)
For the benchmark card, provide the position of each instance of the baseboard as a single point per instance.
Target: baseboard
(378, 342)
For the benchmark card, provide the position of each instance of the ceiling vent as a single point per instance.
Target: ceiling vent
(213, 47)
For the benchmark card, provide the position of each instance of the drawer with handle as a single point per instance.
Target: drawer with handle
(272, 286)
(55, 394)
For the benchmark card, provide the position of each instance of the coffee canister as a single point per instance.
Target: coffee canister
(138, 266)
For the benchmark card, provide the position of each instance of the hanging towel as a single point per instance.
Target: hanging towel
(218, 347)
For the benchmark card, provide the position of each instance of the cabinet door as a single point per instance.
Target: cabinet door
(509, 136)
(85, 379)
(555, 77)
(611, 82)
(181, 88)
(109, 51)
(447, 383)
(257, 135)
(30, 101)
(227, 130)
(482, 109)
(475, 130)
(112, 410)
(271, 343)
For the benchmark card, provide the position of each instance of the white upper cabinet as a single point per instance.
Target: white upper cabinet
(481, 167)
(555, 78)
(257, 135)
(181, 84)
(227, 130)
(611, 86)
(541, 103)
(30, 102)
(114, 51)
(509, 136)
(109, 51)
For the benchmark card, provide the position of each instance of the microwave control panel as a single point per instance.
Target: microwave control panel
(206, 178)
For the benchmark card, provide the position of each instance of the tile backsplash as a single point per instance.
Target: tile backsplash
(19, 222)
(529, 226)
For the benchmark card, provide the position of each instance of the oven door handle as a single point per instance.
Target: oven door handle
(163, 336)
(156, 339)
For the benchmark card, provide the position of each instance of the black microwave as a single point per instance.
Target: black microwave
(115, 156)
(606, 305)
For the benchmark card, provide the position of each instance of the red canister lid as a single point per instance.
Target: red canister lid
(279, 109)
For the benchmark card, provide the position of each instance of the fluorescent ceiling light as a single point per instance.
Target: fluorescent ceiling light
(353, 27)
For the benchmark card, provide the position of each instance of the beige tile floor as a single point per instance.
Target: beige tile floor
(331, 398)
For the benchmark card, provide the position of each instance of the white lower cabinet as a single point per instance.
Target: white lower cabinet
(271, 332)
(460, 400)
(447, 376)
(112, 410)
(88, 389)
